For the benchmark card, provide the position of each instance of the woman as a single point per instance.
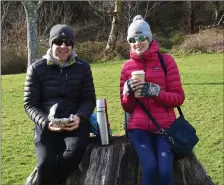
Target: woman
(159, 93)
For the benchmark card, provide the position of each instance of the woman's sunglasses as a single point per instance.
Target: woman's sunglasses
(59, 42)
(135, 39)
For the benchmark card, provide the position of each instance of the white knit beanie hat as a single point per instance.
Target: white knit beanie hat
(138, 28)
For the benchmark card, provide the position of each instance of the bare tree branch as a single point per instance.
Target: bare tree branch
(147, 8)
(218, 8)
(39, 4)
(220, 20)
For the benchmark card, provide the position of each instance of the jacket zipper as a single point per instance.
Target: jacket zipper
(66, 77)
(145, 67)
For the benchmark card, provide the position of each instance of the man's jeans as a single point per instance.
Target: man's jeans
(59, 153)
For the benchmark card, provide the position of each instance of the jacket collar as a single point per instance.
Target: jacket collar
(51, 60)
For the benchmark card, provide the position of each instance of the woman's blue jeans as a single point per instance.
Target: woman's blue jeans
(154, 156)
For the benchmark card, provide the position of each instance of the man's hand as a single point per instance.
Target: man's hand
(53, 127)
(73, 125)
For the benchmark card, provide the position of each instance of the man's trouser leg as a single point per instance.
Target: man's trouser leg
(47, 145)
(76, 143)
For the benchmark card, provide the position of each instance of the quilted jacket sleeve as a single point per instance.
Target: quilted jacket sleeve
(127, 101)
(173, 96)
(88, 99)
(32, 98)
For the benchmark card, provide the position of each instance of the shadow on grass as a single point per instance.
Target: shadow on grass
(205, 83)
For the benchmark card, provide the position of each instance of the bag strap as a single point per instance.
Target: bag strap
(162, 63)
(161, 131)
(165, 72)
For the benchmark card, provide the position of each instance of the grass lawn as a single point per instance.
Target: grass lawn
(202, 78)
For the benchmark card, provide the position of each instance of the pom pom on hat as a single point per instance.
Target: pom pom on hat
(137, 17)
(61, 31)
(138, 28)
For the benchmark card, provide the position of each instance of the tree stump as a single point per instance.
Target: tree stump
(118, 164)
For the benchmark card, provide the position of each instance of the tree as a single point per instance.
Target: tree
(12, 17)
(31, 8)
(189, 16)
(118, 164)
(218, 8)
(121, 20)
(115, 26)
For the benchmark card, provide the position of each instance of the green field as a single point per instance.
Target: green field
(202, 78)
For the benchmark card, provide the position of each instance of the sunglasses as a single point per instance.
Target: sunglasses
(59, 42)
(140, 39)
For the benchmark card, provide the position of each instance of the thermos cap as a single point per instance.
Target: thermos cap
(100, 102)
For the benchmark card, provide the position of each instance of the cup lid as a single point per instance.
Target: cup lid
(140, 72)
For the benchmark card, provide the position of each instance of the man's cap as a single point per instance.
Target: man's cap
(61, 31)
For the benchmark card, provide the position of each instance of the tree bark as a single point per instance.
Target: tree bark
(189, 17)
(118, 164)
(115, 26)
(31, 8)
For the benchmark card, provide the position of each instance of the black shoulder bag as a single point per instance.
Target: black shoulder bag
(181, 134)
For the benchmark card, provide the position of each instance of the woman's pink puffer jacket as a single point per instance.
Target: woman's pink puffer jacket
(162, 106)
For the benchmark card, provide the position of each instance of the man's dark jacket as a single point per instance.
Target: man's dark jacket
(71, 87)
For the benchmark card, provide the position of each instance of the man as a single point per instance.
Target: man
(60, 77)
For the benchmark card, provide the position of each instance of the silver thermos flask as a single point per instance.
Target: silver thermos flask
(102, 119)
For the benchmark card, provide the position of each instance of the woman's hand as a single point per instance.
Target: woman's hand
(150, 89)
(132, 85)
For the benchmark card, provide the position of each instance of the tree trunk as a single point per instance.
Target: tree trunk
(118, 164)
(115, 26)
(189, 17)
(31, 8)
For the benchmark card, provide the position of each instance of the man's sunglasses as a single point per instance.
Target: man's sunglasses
(59, 42)
(135, 39)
